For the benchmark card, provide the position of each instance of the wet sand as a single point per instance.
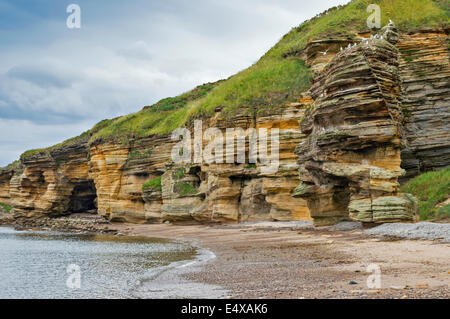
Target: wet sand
(254, 261)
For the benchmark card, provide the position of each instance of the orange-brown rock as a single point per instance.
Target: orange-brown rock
(350, 162)
(108, 177)
(373, 111)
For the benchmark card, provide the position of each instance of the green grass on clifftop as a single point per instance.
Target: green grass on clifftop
(407, 15)
(169, 112)
(278, 77)
(431, 189)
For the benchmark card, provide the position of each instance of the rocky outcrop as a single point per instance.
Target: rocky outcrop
(6, 175)
(43, 184)
(350, 162)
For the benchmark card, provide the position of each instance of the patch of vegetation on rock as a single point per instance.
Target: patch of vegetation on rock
(443, 212)
(153, 185)
(179, 173)
(430, 189)
(184, 188)
(138, 155)
(6, 207)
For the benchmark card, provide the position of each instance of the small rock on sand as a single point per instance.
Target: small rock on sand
(347, 226)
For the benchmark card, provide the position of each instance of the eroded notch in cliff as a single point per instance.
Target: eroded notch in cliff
(83, 198)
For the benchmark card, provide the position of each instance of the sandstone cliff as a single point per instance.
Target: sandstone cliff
(350, 161)
(374, 114)
(111, 175)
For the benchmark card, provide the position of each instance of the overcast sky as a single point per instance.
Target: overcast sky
(57, 82)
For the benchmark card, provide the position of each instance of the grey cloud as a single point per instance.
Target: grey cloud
(14, 112)
(139, 50)
(20, 135)
(38, 76)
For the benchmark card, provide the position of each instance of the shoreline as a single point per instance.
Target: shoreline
(162, 282)
(169, 282)
(294, 260)
(257, 261)
(75, 223)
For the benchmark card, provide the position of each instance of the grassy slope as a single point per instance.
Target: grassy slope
(278, 77)
(431, 189)
(143, 123)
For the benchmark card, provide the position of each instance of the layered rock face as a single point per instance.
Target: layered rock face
(350, 162)
(375, 113)
(119, 170)
(109, 178)
(239, 192)
(50, 183)
(425, 74)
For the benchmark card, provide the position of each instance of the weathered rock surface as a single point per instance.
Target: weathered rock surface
(425, 74)
(237, 192)
(43, 184)
(108, 177)
(77, 223)
(374, 112)
(350, 161)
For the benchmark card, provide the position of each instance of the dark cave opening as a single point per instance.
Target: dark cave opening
(83, 198)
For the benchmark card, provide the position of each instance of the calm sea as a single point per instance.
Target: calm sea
(60, 265)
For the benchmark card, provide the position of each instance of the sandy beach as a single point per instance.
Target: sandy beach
(269, 260)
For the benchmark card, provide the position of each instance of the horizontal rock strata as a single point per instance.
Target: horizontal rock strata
(53, 182)
(425, 74)
(376, 113)
(350, 162)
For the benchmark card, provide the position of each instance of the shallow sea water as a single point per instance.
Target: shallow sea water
(37, 265)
